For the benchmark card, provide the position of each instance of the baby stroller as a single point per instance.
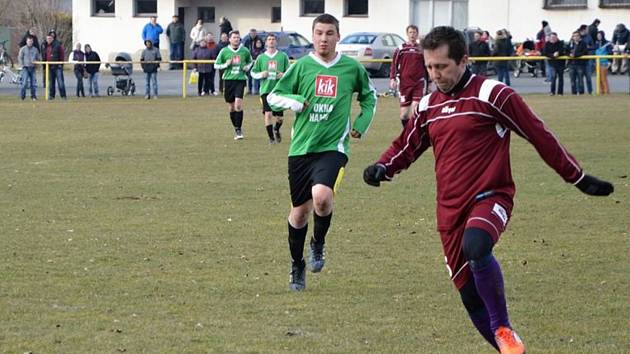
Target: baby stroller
(527, 48)
(122, 70)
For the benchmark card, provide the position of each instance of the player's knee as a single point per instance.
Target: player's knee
(322, 200)
(470, 298)
(477, 245)
(298, 217)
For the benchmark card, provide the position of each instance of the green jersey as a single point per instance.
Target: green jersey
(241, 61)
(273, 64)
(321, 95)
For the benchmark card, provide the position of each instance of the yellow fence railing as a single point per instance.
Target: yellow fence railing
(473, 59)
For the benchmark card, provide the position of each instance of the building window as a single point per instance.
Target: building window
(614, 3)
(356, 8)
(565, 4)
(427, 14)
(206, 14)
(145, 8)
(311, 7)
(103, 7)
(276, 14)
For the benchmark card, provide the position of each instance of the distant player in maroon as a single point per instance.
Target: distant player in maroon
(468, 122)
(409, 74)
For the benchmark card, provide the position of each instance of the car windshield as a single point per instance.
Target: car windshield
(359, 39)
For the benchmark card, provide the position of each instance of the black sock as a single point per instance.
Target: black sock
(270, 131)
(320, 228)
(296, 242)
(233, 118)
(404, 121)
(239, 120)
(278, 125)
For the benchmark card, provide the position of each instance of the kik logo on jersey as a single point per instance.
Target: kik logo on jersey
(272, 65)
(236, 60)
(326, 86)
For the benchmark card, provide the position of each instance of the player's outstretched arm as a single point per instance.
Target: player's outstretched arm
(594, 186)
(285, 94)
(367, 101)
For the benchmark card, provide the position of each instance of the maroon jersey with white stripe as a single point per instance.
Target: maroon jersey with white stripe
(408, 64)
(469, 130)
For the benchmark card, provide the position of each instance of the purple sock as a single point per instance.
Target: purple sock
(489, 284)
(481, 320)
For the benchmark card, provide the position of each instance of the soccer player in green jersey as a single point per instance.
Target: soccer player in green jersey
(235, 60)
(269, 67)
(319, 88)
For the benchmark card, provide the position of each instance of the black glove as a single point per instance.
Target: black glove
(374, 174)
(595, 186)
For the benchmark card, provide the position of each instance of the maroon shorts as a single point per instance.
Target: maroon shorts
(491, 215)
(411, 92)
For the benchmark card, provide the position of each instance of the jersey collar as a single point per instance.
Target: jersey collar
(323, 63)
(235, 50)
(272, 55)
(463, 82)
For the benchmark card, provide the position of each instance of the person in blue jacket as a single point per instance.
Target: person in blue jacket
(152, 31)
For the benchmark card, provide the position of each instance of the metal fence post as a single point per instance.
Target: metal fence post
(47, 83)
(598, 74)
(184, 70)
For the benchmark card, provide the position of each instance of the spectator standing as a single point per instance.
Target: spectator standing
(590, 47)
(577, 48)
(541, 37)
(32, 32)
(479, 48)
(205, 84)
(197, 33)
(78, 58)
(236, 60)
(259, 48)
(149, 56)
(214, 52)
(249, 42)
(409, 74)
(151, 32)
(92, 69)
(223, 42)
(27, 56)
(620, 39)
(553, 49)
(52, 50)
(593, 29)
(176, 37)
(225, 26)
(604, 47)
(503, 48)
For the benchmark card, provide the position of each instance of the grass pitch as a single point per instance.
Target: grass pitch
(135, 226)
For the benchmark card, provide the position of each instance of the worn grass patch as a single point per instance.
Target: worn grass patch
(134, 226)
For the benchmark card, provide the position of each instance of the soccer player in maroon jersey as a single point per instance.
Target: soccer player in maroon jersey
(468, 122)
(409, 74)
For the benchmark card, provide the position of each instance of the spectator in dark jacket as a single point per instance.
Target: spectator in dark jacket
(205, 84)
(620, 39)
(225, 26)
(30, 33)
(176, 34)
(149, 56)
(577, 48)
(92, 69)
(593, 28)
(223, 42)
(553, 49)
(52, 50)
(78, 57)
(590, 64)
(479, 48)
(503, 48)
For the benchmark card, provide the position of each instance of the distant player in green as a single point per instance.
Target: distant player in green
(269, 67)
(319, 88)
(235, 60)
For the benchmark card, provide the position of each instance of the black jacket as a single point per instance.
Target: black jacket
(577, 50)
(225, 27)
(621, 35)
(92, 68)
(479, 49)
(35, 40)
(550, 48)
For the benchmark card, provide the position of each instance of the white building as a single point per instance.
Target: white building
(115, 25)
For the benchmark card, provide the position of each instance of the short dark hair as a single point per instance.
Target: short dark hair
(234, 32)
(412, 27)
(271, 35)
(446, 35)
(328, 19)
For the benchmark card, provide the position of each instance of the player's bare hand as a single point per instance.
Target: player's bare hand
(355, 134)
(393, 84)
(279, 74)
(265, 74)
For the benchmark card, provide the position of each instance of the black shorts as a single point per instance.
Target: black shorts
(305, 171)
(267, 108)
(233, 89)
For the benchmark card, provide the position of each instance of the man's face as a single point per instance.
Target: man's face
(175, 19)
(29, 42)
(49, 39)
(224, 37)
(325, 38)
(576, 37)
(235, 40)
(412, 35)
(444, 71)
(252, 34)
(153, 20)
(78, 46)
(553, 38)
(477, 36)
(271, 42)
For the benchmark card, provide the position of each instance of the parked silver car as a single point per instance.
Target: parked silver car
(371, 45)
